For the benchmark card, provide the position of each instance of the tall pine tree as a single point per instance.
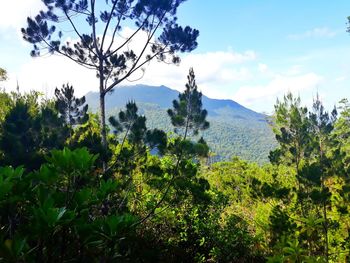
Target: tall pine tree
(187, 113)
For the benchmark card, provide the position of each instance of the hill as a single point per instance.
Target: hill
(234, 129)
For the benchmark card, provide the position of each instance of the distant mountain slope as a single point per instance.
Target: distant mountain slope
(161, 96)
(234, 129)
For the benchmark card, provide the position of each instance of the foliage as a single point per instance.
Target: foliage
(3, 74)
(5, 104)
(135, 128)
(89, 135)
(58, 212)
(28, 131)
(305, 226)
(72, 109)
(187, 112)
(57, 203)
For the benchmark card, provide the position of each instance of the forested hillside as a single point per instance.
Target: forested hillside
(234, 131)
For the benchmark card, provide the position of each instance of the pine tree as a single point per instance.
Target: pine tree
(19, 138)
(135, 128)
(341, 137)
(133, 124)
(29, 131)
(97, 49)
(3, 74)
(187, 112)
(72, 109)
(305, 142)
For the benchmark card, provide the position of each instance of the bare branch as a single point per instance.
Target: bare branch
(94, 27)
(114, 32)
(129, 38)
(87, 65)
(76, 30)
(107, 25)
(135, 67)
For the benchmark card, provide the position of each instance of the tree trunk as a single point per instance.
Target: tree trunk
(103, 117)
(103, 121)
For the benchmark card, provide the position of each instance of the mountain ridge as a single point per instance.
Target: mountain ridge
(168, 95)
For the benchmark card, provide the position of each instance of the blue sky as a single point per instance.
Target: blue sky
(249, 51)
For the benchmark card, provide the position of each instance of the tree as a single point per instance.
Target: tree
(3, 74)
(291, 125)
(341, 136)
(189, 116)
(133, 124)
(88, 135)
(72, 109)
(18, 139)
(29, 130)
(321, 125)
(113, 61)
(5, 104)
(305, 145)
(135, 129)
(187, 112)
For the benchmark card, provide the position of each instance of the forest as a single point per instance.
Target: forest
(158, 200)
(77, 186)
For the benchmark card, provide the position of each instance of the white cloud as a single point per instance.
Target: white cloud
(340, 78)
(295, 70)
(215, 72)
(46, 73)
(318, 32)
(13, 13)
(278, 86)
(263, 68)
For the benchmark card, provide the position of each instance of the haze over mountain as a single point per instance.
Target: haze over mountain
(234, 129)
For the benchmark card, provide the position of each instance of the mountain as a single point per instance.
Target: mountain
(234, 129)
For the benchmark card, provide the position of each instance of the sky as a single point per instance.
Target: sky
(252, 52)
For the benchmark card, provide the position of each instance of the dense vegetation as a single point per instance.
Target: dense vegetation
(158, 200)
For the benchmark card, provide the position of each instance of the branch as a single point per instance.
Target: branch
(163, 197)
(87, 65)
(107, 25)
(176, 170)
(157, 205)
(128, 39)
(126, 195)
(135, 67)
(147, 43)
(107, 78)
(121, 148)
(81, 12)
(76, 31)
(94, 27)
(114, 32)
(134, 80)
